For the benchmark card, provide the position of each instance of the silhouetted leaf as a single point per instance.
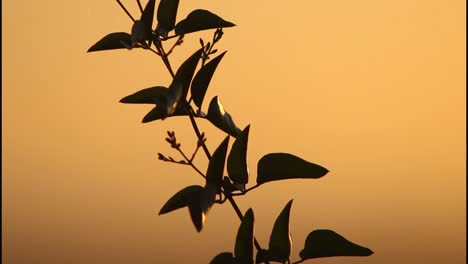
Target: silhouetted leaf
(327, 243)
(281, 166)
(221, 119)
(160, 113)
(174, 96)
(167, 13)
(199, 20)
(180, 199)
(215, 170)
(140, 33)
(148, 14)
(237, 161)
(201, 203)
(223, 258)
(243, 250)
(154, 114)
(117, 40)
(280, 238)
(185, 72)
(202, 80)
(152, 95)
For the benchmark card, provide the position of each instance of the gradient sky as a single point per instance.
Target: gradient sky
(372, 90)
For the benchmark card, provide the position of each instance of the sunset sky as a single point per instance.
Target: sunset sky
(372, 90)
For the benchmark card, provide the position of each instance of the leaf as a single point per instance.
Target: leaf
(223, 258)
(202, 80)
(280, 238)
(215, 170)
(185, 72)
(221, 119)
(326, 243)
(167, 13)
(158, 113)
(154, 114)
(199, 20)
(173, 98)
(180, 199)
(178, 89)
(140, 33)
(237, 160)
(281, 166)
(243, 250)
(148, 14)
(152, 95)
(200, 204)
(113, 41)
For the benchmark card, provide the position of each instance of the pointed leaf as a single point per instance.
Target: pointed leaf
(237, 161)
(202, 80)
(180, 199)
(185, 72)
(280, 238)
(154, 114)
(117, 40)
(148, 14)
(221, 119)
(160, 113)
(215, 170)
(243, 250)
(326, 243)
(200, 204)
(199, 20)
(167, 13)
(152, 95)
(175, 95)
(223, 258)
(281, 166)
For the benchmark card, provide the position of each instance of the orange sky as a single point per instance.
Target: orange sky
(372, 90)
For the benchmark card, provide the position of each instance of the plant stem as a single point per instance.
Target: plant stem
(239, 214)
(126, 11)
(191, 163)
(199, 137)
(139, 6)
(163, 56)
(197, 131)
(299, 261)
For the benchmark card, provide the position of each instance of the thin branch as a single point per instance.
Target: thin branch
(240, 215)
(299, 261)
(252, 188)
(163, 56)
(194, 153)
(170, 37)
(139, 5)
(191, 163)
(177, 43)
(246, 191)
(126, 11)
(195, 128)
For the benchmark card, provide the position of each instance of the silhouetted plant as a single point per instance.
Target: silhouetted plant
(172, 101)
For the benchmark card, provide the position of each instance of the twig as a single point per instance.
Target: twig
(126, 11)
(191, 163)
(177, 43)
(299, 261)
(163, 56)
(139, 5)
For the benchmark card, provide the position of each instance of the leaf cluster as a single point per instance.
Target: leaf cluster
(184, 96)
